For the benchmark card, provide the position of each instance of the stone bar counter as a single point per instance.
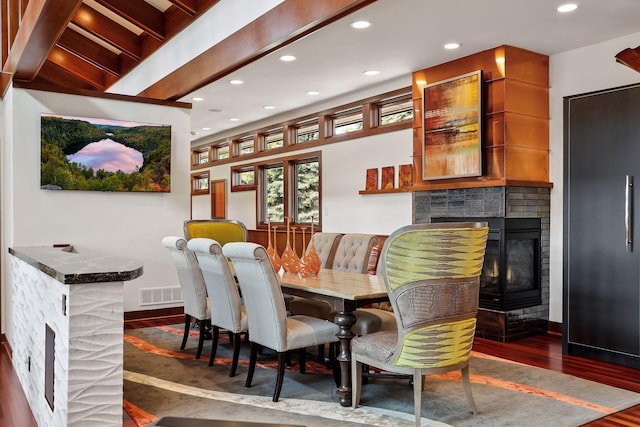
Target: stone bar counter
(66, 334)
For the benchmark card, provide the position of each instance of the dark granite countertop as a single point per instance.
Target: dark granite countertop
(70, 267)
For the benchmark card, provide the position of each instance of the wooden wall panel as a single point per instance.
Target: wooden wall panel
(516, 124)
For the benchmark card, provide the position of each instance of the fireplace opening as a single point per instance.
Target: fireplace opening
(511, 273)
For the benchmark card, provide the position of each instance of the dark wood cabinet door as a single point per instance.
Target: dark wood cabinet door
(602, 274)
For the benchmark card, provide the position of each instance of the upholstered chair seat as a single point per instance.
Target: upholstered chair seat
(269, 324)
(227, 311)
(432, 276)
(194, 291)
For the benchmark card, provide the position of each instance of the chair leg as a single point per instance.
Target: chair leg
(321, 353)
(417, 394)
(302, 360)
(187, 325)
(236, 354)
(281, 362)
(467, 389)
(253, 355)
(214, 344)
(203, 327)
(356, 381)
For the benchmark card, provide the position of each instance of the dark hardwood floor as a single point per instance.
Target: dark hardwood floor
(544, 351)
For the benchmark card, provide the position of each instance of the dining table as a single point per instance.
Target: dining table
(345, 292)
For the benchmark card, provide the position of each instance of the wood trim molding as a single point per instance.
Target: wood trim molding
(153, 313)
(46, 87)
(282, 25)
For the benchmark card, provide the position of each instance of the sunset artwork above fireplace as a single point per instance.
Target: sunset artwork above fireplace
(452, 127)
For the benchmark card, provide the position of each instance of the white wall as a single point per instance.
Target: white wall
(344, 166)
(124, 224)
(578, 71)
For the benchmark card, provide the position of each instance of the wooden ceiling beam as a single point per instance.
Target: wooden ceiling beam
(109, 31)
(73, 42)
(78, 67)
(630, 57)
(190, 7)
(42, 23)
(61, 78)
(177, 20)
(280, 26)
(141, 14)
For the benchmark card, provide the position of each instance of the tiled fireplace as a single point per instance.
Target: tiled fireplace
(502, 206)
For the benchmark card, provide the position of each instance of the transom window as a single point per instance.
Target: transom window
(200, 183)
(274, 139)
(243, 178)
(246, 145)
(308, 130)
(347, 121)
(395, 110)
(387, 112)
(221, 151)
(201, 156)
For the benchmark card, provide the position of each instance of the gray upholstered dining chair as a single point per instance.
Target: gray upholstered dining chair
(194, 291)
(325, 245)
(269, 324)
(227, 311)
(352, 254)
(432, 275)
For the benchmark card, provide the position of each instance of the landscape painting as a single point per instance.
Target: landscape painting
(81, 153)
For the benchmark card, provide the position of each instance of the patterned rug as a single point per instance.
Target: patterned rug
(161, 381)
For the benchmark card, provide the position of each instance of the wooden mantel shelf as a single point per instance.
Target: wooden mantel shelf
(466, 184)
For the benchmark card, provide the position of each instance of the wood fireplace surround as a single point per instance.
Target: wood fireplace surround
(515, 178)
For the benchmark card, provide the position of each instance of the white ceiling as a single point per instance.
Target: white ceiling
(405, 35)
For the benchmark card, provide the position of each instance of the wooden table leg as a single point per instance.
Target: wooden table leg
(345, 321)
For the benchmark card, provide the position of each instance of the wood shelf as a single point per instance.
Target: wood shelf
(467, 184)
(387, 191)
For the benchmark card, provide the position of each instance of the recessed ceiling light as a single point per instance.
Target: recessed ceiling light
(269, 107)
(452, 45)
(313, 93)
(287, 58)
(215, 110)
(567, 7)
(206, 128)
(358, 25)
(233, 119)
(371, 73)
(197, 99)
(236, 82)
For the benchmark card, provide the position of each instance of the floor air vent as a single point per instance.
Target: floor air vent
(151, 296)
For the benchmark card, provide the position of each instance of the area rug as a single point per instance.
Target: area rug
(160, 380)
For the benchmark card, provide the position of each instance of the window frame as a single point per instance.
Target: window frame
(290, 196)
(195, 179)
(264, 137)
(380, 106)
(325, 129)
(358, 110)
(236, 172)
(196, 156)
